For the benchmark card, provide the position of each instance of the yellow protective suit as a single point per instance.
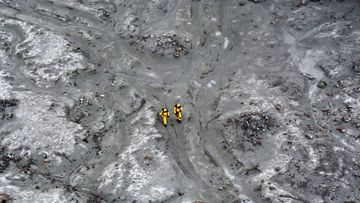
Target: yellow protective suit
(177, 111)
(164, 115)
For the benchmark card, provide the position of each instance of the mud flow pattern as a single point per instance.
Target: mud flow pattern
(269, 89)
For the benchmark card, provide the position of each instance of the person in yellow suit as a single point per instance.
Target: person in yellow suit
(165, 115)
(177, 111)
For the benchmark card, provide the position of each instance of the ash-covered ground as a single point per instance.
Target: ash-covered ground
(270, 91)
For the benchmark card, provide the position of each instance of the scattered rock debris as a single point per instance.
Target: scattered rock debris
(253, 125)
(164, 44)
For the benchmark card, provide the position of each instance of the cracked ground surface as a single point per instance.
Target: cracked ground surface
(270, 90)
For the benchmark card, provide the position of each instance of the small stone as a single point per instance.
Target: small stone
(357, 89)
(340, 82)
(299, 28)
(326, 110)
(258, 188)
(356, 68)
(176, 54)
(346, 118)
(278, 107)
(308, 136)
(311, 127)
(322, 84)
(349, 106)
(242, 3)
(340, 129)
(181, 193)
(147, 157)
(10, 115)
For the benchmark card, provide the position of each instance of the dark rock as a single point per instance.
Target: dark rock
(272, 188)
(4, 198)
(356, 63)
(346, 118)
(279, 107)
(357, 89)
(356, 68)
(252, 169)
(340, 129)
(308, 136)
(258, 188)
(322, 84)
(102, 13)
(6, 108)
(162, 4)
(242, 3)
(4, 103)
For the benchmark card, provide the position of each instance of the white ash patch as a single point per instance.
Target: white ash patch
(47, 56)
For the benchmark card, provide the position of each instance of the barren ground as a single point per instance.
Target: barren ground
(270, 90)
